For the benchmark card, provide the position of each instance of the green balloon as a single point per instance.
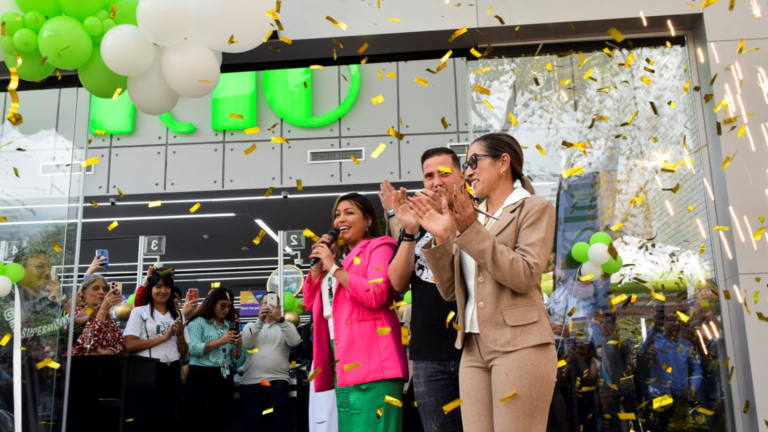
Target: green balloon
(408, 297)
(14, 272)
(102, 14)
(92, 26)
(64, 41)
(34, 20)
(601, 237)
(289, 301)
(126, 12)
(580, 252)
(107, 25)
(613, 265)
(97, 39)
(2, 267)
(7, 43)
(81, 9)
(31, 68)
(98, 79)
(13, 23)
(299, 309)
(131, 299)
(25, 40)
(49, 8)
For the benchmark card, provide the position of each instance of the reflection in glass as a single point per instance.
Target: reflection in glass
(639, 349)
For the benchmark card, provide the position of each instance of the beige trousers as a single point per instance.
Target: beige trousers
(487, 375)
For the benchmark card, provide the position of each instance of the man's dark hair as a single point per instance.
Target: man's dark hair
(29, 252)
(440, 151)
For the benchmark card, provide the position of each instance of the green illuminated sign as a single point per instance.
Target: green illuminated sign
(284, 91)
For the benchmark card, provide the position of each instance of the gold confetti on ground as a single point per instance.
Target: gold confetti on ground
(379, 149)
(646, 80)
(194, 208)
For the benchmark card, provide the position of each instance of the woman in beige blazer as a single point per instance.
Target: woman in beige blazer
(492, 267)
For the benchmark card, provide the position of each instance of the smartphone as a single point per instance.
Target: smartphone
(117, 286)
(193, 294)
(105, 254)
(234, 328)
(271, 300)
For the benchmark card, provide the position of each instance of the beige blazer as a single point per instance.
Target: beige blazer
(510, 257)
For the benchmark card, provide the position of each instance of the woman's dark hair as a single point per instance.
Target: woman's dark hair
(209, 305)
(176, 290)
(366, 207)
(500, 143)
(154, 280)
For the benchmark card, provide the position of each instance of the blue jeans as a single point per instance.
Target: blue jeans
(255, 398)
(435, 384)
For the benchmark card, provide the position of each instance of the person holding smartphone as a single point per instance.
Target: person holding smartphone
(214, 352)
(156, 330)
(265, 378)
(100, 334)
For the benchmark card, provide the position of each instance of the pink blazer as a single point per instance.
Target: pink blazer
(361, 315)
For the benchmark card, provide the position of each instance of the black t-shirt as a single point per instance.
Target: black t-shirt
(430, 340)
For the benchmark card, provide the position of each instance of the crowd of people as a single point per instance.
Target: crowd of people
(483, 351)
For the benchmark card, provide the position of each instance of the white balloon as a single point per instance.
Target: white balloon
(598, 253)
(191, 69)
(219, 56)
(126, 51)
(164, 22)
(590, 267)
(214, 22)
(10, 6)
(149, 91)
(5, 286)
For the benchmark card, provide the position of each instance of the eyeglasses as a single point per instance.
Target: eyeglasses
(472, 161)
(224, 306)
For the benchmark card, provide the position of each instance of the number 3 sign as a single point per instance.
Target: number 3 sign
(154, 245)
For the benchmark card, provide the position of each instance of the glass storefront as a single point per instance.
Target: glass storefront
(617, 151)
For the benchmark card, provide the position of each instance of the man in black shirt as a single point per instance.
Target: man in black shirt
(433, 337)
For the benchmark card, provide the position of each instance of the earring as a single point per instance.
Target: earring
(502, 173)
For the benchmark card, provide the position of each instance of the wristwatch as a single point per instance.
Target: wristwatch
(281, 320)
(391, 212)
(404, 236)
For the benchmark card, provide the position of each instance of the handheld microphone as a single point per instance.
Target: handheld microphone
(334, 234)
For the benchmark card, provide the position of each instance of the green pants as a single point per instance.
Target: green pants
(358, 406)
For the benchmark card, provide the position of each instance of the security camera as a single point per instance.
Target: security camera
(112, 201)
(298, 262)
(284, 194)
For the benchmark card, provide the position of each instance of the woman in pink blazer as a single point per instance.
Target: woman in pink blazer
(357, 343)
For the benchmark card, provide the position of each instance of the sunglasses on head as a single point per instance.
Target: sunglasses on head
(472, 160)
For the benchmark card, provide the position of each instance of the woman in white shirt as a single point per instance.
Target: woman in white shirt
(156, 330)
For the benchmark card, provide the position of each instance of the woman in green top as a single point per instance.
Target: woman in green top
(214, 351)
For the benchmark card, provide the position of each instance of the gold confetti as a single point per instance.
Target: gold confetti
(393, 401)
(349, 367)
(299, 185)
(626, 416)
(278, 140)
(509, 397)
(746, 407)
(565, 82)
(629, 122)
(364, 61)
(561, 363)
(308, 233)
(759, 233)
(113, 12)
(741, 131)
(378, 99)
(482, 90)
(662, 401)
(636, 200)
(615, 34)
(194, 208)
(13, 115)
(483, 70)
(488, 104)
(728, 160)
(355, 160)
(452, 406)
(444, 123)
(658, 296)
(501, 21)
(541, 150)
(272, 14)
(630, 59)
(421, 81)
(117, 93)
(356, 260)
(119, 192)
(646, 80)
(269, 192)
(584, 279)
(397, 20)
(396, 305)
(363, 48)
(5, 340)
(391, 75)
(379, 149)
(475, 53)
(683, 317)
(259, 237)
(671, 104)
(112, 226)
(89, 162)
(16, 172)
(450, 318)
(383, 330)
(56, 246)
(157, 203)
(375, 281)
(268, 411)
(395, 134)
(457, 33)
(721, 104)
(49, 363)
(381, 77)
(250, 149)
(588, 74)
(616, 227)
(269, 35)
(573, 171)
